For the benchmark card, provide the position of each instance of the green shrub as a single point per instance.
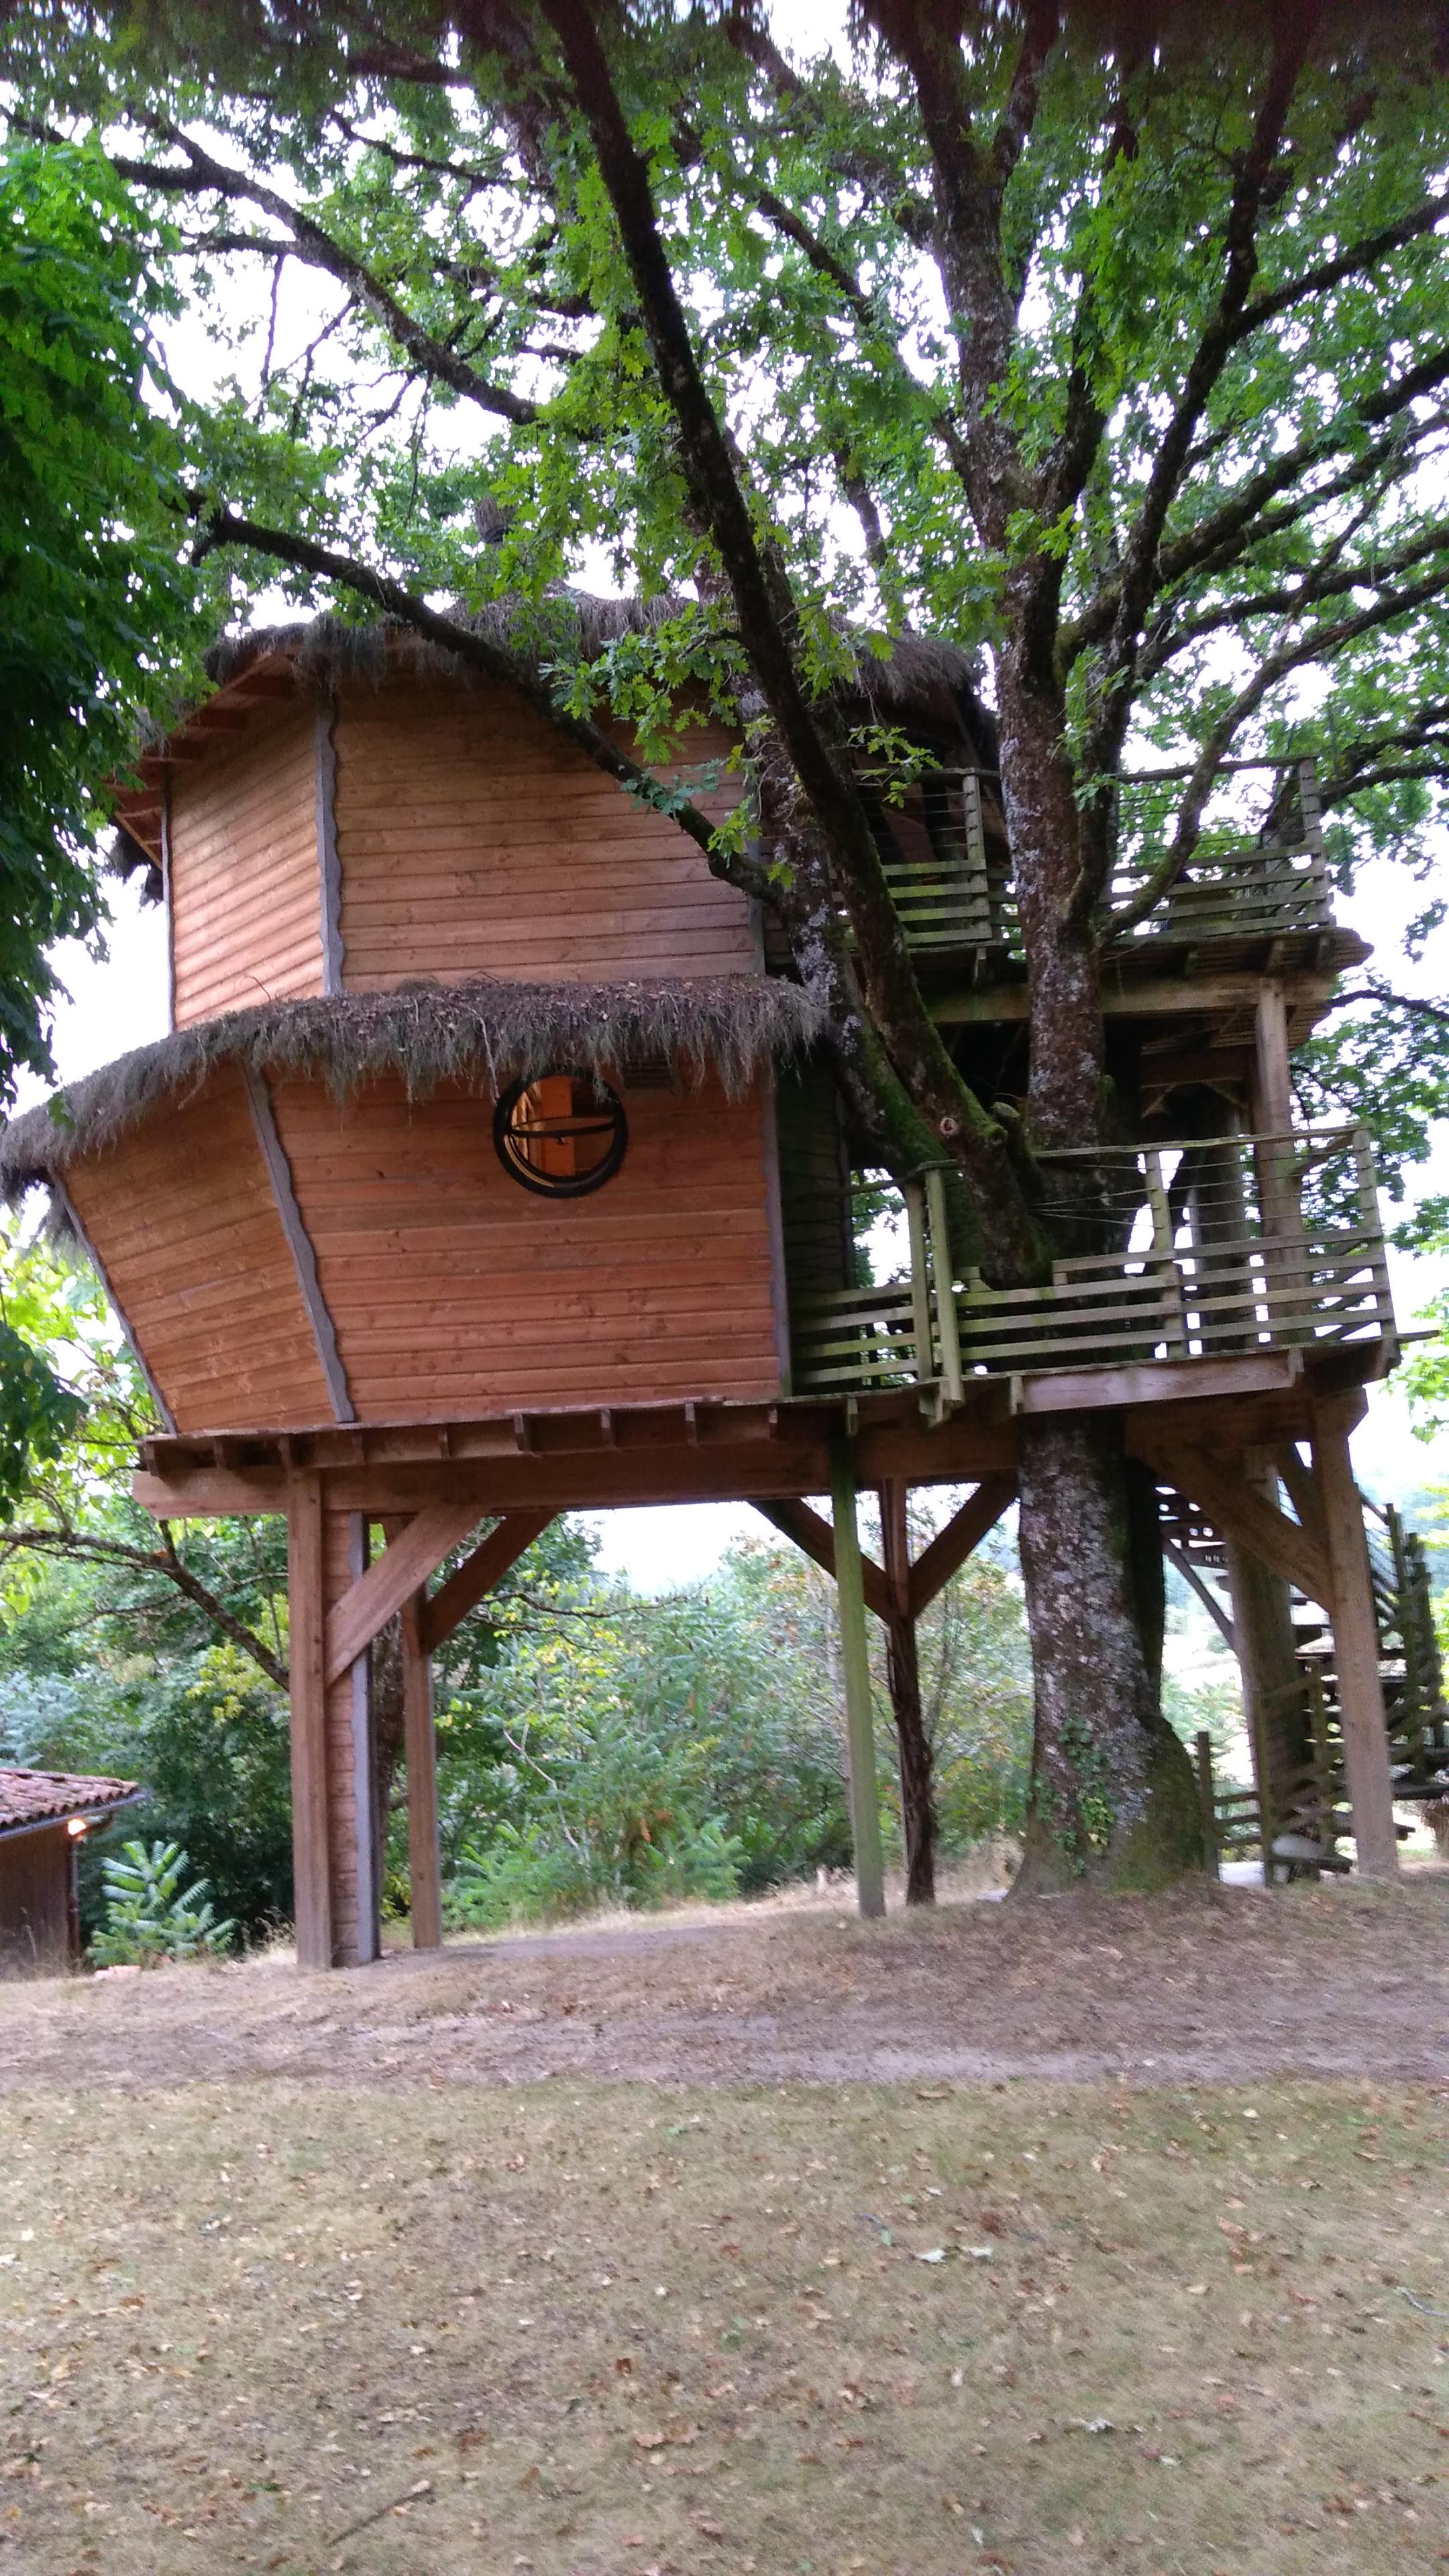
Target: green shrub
(150, 1916)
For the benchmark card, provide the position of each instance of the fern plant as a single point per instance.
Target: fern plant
(150, 1916)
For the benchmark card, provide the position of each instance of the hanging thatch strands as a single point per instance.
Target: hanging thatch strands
(484, 1034)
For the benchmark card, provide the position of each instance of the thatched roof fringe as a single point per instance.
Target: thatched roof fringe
(486, 1035)
(913, 678)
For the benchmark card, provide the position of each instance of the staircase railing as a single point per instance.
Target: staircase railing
(1183, 1251)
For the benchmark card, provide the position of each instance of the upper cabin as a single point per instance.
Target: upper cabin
(484, 1095)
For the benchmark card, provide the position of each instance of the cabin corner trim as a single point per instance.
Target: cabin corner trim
(73, 1220)
(299, 1244)
(329, 865)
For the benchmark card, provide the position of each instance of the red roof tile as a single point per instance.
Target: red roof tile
(37, 1797)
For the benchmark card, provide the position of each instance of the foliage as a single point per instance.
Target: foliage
(151, 1916)
(90, 536)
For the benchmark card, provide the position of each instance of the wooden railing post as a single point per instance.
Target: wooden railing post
(943, 1277)
(859, 1704)
(425, 1904)
(1164, 1251)
(1356, 1650)
(920, 1284)
(1207, 1803)
(1366, 1176)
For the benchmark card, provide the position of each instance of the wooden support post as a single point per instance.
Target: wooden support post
(913, 1745)
(312, 1881)
(351, 1798)
(1356, 1652)
(425, 1875)
(855, 1659)
(1207, 1802)
(1274, 1698)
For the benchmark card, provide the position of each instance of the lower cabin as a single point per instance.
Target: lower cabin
(44, 1818)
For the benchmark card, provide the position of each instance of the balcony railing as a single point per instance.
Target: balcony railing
(952, 888)
(1215, 1246)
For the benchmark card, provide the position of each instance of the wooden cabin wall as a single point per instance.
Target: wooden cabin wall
(245, 889)
(453, 1291)
(475, 841)
(185, 1224)
(814, 1183)
(35, 1871)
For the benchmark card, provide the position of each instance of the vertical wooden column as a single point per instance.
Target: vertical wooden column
(1356, 1652)
(311, 1874)
(855, 1660)
(351, 1814)
(913, 1747)
(425, 1875)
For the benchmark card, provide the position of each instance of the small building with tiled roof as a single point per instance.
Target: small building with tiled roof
(44, 1818)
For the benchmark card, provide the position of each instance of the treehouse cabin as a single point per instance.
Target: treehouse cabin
(493, 1166)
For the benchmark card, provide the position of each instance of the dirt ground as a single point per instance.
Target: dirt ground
(1086, 2239)
(1218, 1986)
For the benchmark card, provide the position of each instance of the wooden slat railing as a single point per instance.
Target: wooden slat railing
(952, 888)
(1193, 1274)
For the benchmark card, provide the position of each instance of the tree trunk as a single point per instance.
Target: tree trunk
(1113, 1799)
(915, 1759)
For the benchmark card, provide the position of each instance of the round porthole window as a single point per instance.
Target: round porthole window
(562, 1134)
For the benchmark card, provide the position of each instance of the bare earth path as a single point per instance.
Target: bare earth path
(1222, 1986)
(1089, 2239)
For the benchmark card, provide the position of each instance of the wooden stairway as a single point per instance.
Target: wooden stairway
(1308, 1808)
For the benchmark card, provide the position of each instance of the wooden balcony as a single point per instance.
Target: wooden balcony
(944, 856)
(1216, 1247)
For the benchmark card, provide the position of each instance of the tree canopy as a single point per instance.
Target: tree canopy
(1111, 344)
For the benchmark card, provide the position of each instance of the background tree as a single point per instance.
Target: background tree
(96, 629)
(1115, 347)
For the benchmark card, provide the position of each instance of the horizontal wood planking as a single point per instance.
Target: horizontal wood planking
(473, 840)
(453, 1290)
(245, 892)
(182, 1215)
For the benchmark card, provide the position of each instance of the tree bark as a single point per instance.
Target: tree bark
(1113, 1800)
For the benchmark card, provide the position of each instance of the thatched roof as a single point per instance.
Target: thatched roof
(917, 674)
(484, 1034)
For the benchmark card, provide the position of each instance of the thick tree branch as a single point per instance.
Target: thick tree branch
(1318, 647)
(1232, 530)
(79, 1546)
(317, 248)
(1354, 262)
(1138, 583)
(765, 613)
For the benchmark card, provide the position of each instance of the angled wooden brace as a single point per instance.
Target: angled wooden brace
(401, 1570)
(816, 1539)
(961, 1536)
(1240, 1512)
(1303, 1494)
(467, 1584)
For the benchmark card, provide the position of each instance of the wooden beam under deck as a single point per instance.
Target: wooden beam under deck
(730, 1452)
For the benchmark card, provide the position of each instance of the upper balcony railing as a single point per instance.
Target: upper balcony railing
(952, 888)
(1221, 1245)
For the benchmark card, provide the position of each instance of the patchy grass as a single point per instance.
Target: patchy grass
(581, 2329)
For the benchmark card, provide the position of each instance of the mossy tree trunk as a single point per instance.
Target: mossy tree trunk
(1113, 1799)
